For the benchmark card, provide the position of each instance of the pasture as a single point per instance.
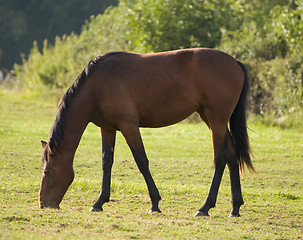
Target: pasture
(181, 163)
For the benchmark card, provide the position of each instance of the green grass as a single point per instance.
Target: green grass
(181, 163)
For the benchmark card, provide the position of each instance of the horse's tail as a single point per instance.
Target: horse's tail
(238, 126)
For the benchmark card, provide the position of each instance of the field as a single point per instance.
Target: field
(181, 163)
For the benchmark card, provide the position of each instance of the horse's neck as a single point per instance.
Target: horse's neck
(72, 136)
(73, 129)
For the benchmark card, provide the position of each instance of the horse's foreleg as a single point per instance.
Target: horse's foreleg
(108, 144)
(133, 138)
(236, 193)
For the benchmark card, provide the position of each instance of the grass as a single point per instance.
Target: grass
(180, 161)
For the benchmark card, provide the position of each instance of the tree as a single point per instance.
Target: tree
(23, 22)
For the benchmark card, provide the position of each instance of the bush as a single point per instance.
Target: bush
(54, 67)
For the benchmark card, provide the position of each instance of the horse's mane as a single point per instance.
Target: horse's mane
(69, 97)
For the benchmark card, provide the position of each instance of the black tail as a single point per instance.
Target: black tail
(238, 126)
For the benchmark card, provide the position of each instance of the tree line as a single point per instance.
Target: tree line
(265, 35)
(22, 22)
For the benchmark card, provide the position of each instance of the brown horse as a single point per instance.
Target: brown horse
(122, 91)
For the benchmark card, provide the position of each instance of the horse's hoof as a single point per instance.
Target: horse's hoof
(95, 209)
(154, 212)
(199, 214)
(234, 215)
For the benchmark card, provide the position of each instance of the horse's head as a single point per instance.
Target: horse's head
(58, 174)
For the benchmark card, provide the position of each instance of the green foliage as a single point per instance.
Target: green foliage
(271, 47)
(54, 67)
(103, 33)
(254, 36)
(166, 25)
(276, 91)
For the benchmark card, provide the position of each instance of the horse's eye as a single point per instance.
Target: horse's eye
(46, 172)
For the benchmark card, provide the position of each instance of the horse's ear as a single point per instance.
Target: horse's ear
(44, 144)
(52, 145)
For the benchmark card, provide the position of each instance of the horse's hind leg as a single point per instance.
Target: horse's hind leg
(219, 135)
(223, 153)
(133, 138)
(236, 193)
(108, 144)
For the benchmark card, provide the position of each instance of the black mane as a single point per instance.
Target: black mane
(68, 99)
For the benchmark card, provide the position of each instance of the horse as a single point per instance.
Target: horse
(123, 91)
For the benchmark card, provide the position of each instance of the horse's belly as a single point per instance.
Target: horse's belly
(162, 116)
